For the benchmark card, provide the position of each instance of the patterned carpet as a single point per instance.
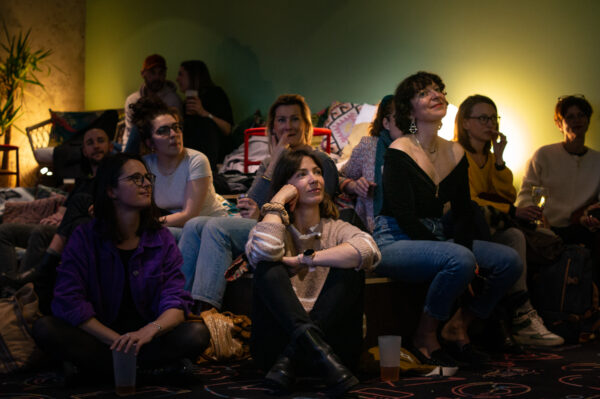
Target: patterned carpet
(569, 372)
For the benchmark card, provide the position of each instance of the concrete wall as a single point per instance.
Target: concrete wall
(58, 25)
(523, 54)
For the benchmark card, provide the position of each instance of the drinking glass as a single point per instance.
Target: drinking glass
(539, 196)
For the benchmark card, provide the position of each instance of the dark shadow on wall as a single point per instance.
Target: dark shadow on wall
(239, 67)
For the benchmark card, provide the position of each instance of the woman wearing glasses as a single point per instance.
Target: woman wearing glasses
(183, 186)
(422, 173)
(491, 185)
(569, 170)
(119, 285)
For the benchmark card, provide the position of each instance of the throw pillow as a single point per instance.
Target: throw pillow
(32, 211)
(340, 121)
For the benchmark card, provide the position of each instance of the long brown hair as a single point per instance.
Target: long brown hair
(287, 165)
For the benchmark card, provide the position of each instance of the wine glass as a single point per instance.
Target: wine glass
(539, 196)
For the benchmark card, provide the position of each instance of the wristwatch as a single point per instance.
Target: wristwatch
(307, 258)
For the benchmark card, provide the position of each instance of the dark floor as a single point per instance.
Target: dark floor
(569, 372)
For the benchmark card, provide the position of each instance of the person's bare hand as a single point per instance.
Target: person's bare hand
(529, 213)
(288, 194)
(361, 187)
(588, 221)
(248, 208)
(135, 339)
(499, 144)
(293, 264)
(193, 106)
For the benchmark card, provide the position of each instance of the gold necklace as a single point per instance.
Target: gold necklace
(431, 154)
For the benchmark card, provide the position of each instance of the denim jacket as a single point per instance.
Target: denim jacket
(90, 280)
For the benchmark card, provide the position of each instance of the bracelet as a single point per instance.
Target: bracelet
(155, 324)
(276, 207)
(210, 116)
(266, 178)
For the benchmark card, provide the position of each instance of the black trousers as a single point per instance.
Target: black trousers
(64, 342)
(278, 315)
(76, 214)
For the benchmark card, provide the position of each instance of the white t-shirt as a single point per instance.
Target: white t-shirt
(169, 190)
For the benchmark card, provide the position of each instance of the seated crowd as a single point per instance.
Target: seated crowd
(146, 240)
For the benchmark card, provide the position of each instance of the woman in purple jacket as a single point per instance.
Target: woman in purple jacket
(119, 285)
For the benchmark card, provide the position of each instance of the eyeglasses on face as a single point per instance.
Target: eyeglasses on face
(429, 92)
(138, 179)
(484, 119)
(165, 130)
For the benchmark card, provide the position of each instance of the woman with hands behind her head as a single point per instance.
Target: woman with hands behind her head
(307, 306)
(119, 285)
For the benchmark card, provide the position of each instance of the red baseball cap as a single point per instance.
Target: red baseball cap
(154, 60)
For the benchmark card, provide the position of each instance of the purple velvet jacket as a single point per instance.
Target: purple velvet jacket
(91, 278)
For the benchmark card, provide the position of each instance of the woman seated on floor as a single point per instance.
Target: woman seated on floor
(207, 115)
(119, 285)
(183, 187)
(209, 245)
(491, 185)
(423, 172)
(308, 292)
(363, 169)
(569, 171)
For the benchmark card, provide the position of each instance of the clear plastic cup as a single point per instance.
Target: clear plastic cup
(124, 365)
(389, 356)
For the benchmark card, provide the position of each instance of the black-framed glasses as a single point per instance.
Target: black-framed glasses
(484, 119)
(165, 130)
(138, 179)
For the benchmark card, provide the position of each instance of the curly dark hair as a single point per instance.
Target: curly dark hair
(145, 110)
(384, 110)
(406, 91)
(108, 175)
(464, 112)
(287, 165)
(566, 102)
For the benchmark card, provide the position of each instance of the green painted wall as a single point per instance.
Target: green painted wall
(523, 54)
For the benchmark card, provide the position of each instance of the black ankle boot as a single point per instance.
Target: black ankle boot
(337, 377)
(281, 376)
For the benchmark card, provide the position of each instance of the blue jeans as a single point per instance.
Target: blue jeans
(188, 241)
(449, 268)
(208, 246)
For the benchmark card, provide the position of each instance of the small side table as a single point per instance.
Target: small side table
(6, 148)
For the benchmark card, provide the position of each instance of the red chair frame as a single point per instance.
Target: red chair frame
(261, 131)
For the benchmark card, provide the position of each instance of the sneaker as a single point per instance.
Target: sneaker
(529, 329)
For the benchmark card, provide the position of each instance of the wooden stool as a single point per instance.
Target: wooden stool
(5, 148)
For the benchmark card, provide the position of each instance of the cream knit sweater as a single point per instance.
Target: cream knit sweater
(271, 241)
(573, 181)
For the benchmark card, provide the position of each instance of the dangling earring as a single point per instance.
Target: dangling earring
(413, 127)
(440, 125)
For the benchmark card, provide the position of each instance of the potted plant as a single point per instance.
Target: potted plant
(18, 67)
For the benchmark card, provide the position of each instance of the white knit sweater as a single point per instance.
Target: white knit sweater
(271, 241)
(573, 181)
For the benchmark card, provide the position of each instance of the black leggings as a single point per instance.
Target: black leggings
(64, 342)
(277, 314)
